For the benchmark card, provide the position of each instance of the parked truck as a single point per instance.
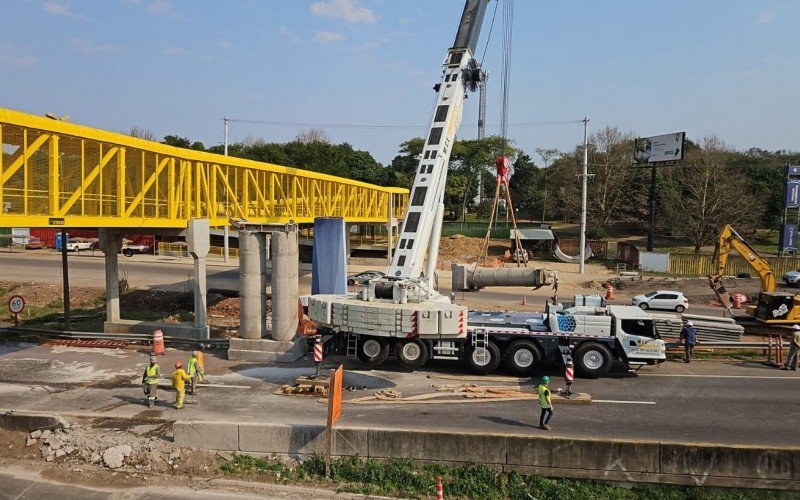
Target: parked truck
(588, 331)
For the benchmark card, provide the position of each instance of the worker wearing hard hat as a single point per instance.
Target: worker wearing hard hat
(794, 350)
(689, 338)
(546, 402)
(179, 379)
(195, 372)
(150, 380)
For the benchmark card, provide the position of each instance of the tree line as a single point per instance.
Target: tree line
(714, 185)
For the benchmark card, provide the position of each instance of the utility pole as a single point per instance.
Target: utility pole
(225, 230)
(584, 178)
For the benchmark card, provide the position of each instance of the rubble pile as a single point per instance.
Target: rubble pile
(109, 447)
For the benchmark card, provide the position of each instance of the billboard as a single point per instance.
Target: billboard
(668, 147)
(789, 238)
(792, 170)
(792, 199)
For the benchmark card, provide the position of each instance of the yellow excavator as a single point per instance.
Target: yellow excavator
(772, 307)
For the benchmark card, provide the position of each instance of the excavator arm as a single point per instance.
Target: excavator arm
(729, 240)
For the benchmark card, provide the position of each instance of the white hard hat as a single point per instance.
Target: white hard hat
(152, 359)
(689, 323)
(795, 327)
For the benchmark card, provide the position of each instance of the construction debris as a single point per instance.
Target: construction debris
(465, 393)
(306, 386)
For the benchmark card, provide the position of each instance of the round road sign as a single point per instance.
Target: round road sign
(16, 304)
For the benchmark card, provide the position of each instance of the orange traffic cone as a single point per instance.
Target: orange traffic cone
(524, 300)
(158, 342)
(609, 292)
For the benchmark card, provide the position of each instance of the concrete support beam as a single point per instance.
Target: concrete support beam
(199, 243)
(347, 227)
(111, 244)
(285, 271)
(251, 288)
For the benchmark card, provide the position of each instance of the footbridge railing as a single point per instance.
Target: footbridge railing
(54, 173)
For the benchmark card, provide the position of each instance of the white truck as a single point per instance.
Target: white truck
(594, 335)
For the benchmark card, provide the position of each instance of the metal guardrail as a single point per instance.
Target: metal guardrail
(730, 345)
(124, 337)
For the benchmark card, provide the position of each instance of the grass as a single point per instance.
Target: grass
(406, 478)
(737, 354)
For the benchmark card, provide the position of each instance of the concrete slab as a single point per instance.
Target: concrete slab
(266, 350)
(207, 435)
(601, 455)
(438, 446)
(180, 330)
(703, 461)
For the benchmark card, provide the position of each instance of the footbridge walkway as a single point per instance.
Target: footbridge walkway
(54, 173)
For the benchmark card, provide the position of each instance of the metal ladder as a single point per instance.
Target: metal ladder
(352, 344)
(480, 339)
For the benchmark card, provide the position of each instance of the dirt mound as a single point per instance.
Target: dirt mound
(460, 248)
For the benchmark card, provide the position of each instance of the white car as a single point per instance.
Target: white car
(662, 299)
(77, 246)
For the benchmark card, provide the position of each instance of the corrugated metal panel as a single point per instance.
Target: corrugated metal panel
(702, 265)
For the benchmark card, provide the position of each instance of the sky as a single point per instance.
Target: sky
(724, 67)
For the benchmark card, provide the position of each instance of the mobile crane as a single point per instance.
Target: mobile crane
(403, 310)
(772, 307)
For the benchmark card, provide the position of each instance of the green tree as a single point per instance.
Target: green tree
(183, 142)
(526, 185)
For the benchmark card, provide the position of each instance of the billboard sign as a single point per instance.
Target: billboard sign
(659, 148)
(792, 170)
(792, 194)
(789, 238)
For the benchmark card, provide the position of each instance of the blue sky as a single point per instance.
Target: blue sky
(729, 67)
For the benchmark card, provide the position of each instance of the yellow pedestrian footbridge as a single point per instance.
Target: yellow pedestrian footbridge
(54, 173)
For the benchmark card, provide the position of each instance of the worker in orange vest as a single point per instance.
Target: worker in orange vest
(201, 362)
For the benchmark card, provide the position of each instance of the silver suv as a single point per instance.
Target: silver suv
(792, 278)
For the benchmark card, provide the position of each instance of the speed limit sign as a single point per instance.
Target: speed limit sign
(16, 304)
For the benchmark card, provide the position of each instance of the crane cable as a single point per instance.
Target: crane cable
(505, 79)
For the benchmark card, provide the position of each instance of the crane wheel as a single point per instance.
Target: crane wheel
(372, 351)
(411, 353)
(592, 359)
(483, 360)
(522, 356)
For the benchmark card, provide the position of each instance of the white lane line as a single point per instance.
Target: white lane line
(766, 377)
(624, 402)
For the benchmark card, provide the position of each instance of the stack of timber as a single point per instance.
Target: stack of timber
(709, 328)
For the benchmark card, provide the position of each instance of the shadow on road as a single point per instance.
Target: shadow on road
(507, 421)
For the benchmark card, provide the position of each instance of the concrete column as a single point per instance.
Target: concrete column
(111, 244)
(250, 286)
(199, 244)
(347, 227)
(226, 244)
(265, 320)
(285, 270)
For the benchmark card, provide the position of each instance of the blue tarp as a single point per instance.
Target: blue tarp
(329, 264)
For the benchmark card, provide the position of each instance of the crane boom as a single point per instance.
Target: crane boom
(418, 235)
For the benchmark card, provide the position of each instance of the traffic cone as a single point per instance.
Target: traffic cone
(439, 488)
(158, 342)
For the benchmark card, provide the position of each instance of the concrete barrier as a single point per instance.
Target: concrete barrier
(635, 461)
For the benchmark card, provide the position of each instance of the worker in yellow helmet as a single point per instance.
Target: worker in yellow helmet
(150, 380)
(195, 372)
(179, 379)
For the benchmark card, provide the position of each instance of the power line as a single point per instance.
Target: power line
(378, 126)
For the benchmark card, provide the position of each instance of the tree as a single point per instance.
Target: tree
(526, 185)
(546, 155)
(706, 194)
(142, 133)
(182, 142)
(313, 135)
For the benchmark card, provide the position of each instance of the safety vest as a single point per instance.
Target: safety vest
(151, 374)
(192, 366)
(544, 392)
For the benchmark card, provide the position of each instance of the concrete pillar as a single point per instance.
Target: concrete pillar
(199, 242)
(285, 270)
(347, 227)
(111, 244)
(264, 320)
(226, 244)
(250, 286)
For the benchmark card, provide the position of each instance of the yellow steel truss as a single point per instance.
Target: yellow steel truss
(54, 173)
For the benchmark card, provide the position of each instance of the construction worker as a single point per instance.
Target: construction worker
(194, 372)
(150, 380)
(179, 379)
(794, 350)
(689, 338)
(201, 362)
(546, 402)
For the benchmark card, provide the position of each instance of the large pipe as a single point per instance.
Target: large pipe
(466, 277)
(285, 269)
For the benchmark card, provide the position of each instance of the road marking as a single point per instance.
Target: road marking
(766, 377)
(624, 402)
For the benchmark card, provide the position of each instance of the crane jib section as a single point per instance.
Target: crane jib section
(54, 173)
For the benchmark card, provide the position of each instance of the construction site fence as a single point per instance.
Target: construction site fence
(703, 265)
(501, 230)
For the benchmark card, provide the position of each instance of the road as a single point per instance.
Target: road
(727, 403)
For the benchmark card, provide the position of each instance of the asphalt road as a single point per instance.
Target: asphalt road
(714, 402)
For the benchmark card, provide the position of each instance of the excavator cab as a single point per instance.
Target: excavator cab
(777, 307)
